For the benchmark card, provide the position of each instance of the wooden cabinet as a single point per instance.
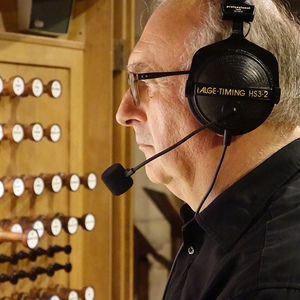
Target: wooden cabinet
(82, 61)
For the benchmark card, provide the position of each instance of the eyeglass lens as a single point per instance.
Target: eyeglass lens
(133, 85)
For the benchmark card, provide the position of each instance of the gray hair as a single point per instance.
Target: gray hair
(274, 29)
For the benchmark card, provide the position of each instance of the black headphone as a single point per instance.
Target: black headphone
(233, 75)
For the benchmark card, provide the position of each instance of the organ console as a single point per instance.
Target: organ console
(30, 226)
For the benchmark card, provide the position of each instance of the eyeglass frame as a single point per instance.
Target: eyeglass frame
(133, 79)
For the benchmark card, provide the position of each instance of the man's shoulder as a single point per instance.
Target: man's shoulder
(280, 259)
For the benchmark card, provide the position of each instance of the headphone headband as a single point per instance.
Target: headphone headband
(241, 11)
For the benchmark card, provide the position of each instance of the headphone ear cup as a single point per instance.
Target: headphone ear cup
(233, 74)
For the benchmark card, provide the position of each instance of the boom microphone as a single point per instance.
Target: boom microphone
(118, 179)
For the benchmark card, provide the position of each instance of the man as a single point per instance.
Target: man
(245, 241)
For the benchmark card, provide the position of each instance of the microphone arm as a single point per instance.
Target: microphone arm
(131, 171)
(118, 179)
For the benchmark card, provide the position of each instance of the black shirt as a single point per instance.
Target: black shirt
(246, 243)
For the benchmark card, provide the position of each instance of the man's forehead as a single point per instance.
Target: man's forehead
(161, 43)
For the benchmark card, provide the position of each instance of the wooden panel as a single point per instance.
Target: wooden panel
(9, 15)
(97, 149)
(34, 158)
(83, 61)
(122, 140)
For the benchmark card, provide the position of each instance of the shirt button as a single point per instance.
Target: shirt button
(191, 250)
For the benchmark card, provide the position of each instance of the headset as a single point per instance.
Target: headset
(233, 74)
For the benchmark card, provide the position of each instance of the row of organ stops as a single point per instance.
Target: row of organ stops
(16, 185)
(33, 254)
(16, 87)
(33, 274)
(87, 293)
(55, 292)
(36, 271)
(29, 230)
(35, 132)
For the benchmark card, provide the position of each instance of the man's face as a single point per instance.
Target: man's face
(162, 118)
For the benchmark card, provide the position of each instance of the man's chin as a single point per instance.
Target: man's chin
(155, 174)
(152, 173)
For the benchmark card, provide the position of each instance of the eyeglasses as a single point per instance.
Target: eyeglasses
(133, 79)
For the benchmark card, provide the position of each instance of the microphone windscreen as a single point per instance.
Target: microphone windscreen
(115, 179)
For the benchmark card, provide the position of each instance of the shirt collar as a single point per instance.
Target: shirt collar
(232, 212)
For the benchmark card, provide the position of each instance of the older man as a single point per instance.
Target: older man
(244, 241)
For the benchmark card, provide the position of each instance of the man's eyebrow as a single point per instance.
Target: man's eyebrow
(140, 67)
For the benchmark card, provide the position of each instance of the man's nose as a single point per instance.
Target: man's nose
(125, 112)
